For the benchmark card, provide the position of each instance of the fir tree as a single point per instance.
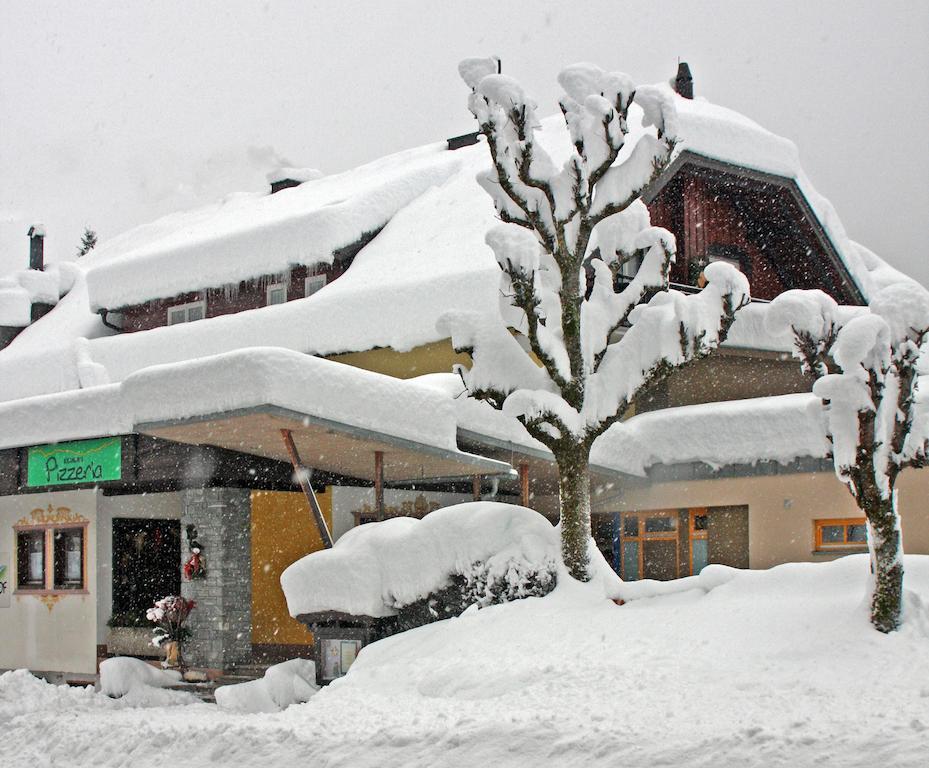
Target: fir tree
(88, 242)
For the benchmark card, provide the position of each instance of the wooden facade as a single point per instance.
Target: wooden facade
(758, 220)
(247, 294)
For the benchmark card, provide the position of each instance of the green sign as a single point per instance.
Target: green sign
(84, 461)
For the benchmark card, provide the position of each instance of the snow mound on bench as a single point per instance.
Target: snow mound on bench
(375, 568)
(291, 682)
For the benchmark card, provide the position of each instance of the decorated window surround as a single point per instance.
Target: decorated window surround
(49, 521)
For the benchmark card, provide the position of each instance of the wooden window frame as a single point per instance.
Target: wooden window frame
(49, 554)
(693, 533)
(642, 537)
(275, 287)
(312, 279)
(186, 307)
(844, 546)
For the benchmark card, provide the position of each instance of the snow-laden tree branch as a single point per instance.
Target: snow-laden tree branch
(586, 319)
(877, 420)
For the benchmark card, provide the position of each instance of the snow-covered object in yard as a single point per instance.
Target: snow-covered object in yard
(122, 674)
(284, 684)
(375, 569)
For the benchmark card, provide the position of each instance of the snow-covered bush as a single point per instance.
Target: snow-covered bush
(583, 274)
(866, 372)
(482, 584)
(419, 571)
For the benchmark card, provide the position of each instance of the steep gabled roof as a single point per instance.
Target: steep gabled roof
(430, 258)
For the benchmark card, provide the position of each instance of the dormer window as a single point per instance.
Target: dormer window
(187, 313)
(313, 284)
(276, 294)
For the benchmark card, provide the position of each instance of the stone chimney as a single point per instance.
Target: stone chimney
(684, 82)
(36, 235)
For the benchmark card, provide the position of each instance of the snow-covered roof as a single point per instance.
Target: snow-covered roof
(250, 235)
(429, 259)
(20, 290)
(308, 391)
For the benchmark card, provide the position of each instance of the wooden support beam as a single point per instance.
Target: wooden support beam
(379, 484)
(476, 487)
(524, 484)
(302, 475)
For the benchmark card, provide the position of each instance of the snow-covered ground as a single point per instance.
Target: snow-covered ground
(765, 668)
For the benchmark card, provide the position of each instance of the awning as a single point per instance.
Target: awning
(323, 444)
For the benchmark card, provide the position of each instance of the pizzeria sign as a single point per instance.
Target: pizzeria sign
(83, 461)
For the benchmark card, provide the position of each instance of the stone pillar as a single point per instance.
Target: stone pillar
(221, 624)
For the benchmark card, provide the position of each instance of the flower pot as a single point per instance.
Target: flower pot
(172, 654)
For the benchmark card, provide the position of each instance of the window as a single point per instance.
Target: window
(30, 559)
(649, 545)
(313, 283)
(699, 544)
(51, 558)
(276, 294)
(187, 313)
(847, 533)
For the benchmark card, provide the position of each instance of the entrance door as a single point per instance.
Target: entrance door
(146, 564)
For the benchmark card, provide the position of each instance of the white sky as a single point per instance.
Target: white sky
(112, 114)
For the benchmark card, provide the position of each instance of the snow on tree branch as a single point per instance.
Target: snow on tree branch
(586, 321)
(875, 415)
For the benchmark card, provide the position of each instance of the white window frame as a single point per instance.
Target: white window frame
(201, 304)
(314, 280)
(275, 287)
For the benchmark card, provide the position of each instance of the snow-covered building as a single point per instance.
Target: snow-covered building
(160, 405)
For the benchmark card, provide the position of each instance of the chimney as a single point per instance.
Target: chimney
(286, 177)
(684, 82)
(37, 247)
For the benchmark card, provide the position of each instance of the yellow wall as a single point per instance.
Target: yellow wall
(437, 357)
(283, 531)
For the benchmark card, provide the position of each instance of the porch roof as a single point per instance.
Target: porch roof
(337, 415)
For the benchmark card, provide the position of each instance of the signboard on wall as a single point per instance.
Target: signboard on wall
(83, 461)
(6, 579)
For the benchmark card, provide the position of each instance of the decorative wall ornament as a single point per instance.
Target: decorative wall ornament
(50, 601)
(194, 568)
(52, 515)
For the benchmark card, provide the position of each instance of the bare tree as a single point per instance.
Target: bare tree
(584, 278)
(865, 372)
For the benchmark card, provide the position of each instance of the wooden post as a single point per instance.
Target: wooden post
(379, 484)
(302, 475)
(476, 487)
(524, 484)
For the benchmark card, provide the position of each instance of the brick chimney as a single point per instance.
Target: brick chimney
(37, 247)
(684, 82)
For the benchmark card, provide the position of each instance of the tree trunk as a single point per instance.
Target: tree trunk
(574, 502)
(886, 561)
